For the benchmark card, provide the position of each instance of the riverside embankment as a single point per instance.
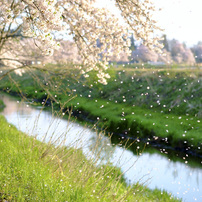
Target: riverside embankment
(159, 106)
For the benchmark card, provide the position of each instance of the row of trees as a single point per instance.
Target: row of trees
(173, 52)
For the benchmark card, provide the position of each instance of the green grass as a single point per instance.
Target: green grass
(2, 105)
(171, 91)
(137, 122)
(34, 171)
(160, 104)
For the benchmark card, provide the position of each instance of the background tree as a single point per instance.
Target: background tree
(144, 54)
(197, 50)
(165, 42)
(67, 53)
(188, 57)
(132, 41)
(179, 52)
(165, 57)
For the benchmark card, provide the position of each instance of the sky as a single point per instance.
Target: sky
(180, 19)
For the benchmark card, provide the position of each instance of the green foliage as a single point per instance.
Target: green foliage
(147, 103)
(34, 171)
(139, 122)
(2, 105)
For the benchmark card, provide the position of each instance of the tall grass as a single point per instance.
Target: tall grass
(31, 170)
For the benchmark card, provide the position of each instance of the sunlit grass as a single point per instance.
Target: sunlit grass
(137, 122)
(34, 171)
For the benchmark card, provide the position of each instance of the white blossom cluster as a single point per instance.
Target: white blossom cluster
(138, 16)
(41, 19)
(35, 18)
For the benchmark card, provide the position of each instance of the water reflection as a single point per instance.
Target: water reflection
(156, 170)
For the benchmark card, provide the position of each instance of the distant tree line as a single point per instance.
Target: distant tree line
(173, 52)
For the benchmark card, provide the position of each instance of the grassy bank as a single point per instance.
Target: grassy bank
(35, 171)
(159, 105)
(177, 131)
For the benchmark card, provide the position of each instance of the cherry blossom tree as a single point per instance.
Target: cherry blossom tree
(42, 20)
(188, 57)
(144, 54)
(180, 53)
(67, 53)
(165, 57)
(122, 57)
